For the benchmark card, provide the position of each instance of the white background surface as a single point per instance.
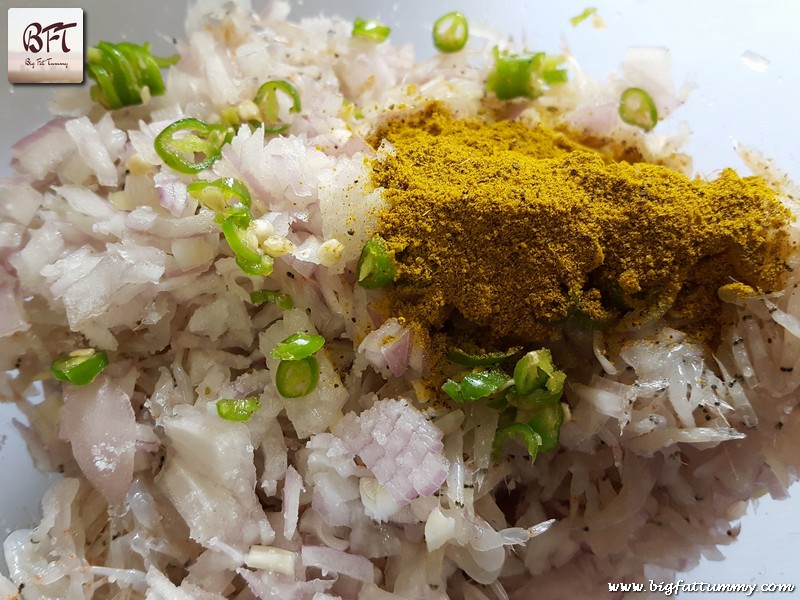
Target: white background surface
(732, 102)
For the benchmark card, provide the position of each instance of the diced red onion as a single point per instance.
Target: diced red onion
(400, 446)
(388, 348)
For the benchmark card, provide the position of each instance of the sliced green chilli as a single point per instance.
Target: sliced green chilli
(297, 378)
(637, 108)
(180, 152)
(521, 432)
(486, 359)
(476, 385)
(237, 409)
(547, 421)
(267, 101)
(79, 368)
(375, 267)
(371, 30)
(298, 346)
(450, 32)
(219, 194)
(122, 72)
(284, 301)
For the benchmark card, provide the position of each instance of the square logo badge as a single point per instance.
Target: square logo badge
(45, 45)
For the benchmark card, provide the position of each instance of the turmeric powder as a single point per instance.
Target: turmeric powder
(519, 231)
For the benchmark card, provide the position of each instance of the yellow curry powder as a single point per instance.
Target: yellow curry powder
(518, 231)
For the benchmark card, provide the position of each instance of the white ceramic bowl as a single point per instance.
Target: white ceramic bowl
(751, 101)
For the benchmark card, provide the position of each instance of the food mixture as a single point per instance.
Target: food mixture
(299, 317)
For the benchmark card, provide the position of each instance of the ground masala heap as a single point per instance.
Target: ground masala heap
(519, 231)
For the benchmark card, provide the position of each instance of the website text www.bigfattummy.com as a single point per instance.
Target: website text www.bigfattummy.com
(676, 587)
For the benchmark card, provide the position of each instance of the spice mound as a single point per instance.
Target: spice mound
(519, 231)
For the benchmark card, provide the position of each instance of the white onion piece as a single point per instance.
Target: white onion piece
(18, 200)
(267, 585)
(597, 119)
(11, 235)
(307, 251)
(191, 253)
(210, 477)
(348, 207)
(597, 343)
(273, 448)
(86, 202)
(101, 426)
(146, 219)
(129, 577)
(12, 315)
(172, 193)
(92, 150)
(161, 588)
(292, 487)
(311, 522)
(41, 152)
(48, 559)
(8, 588)
(330, 560)
(222, 88)
(112, 138)
(790, 322)
(739, 398)
(378, 503)
(439, 528)
(638, 478)
(483, 567)
(540, 528)
(324, 596)
(606, 402)
(330, 453)
(331, 497)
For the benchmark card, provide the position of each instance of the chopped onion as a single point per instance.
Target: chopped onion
(399, 445)
(292, 487)
(92, 150)
(101, 426)
(330, 560)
